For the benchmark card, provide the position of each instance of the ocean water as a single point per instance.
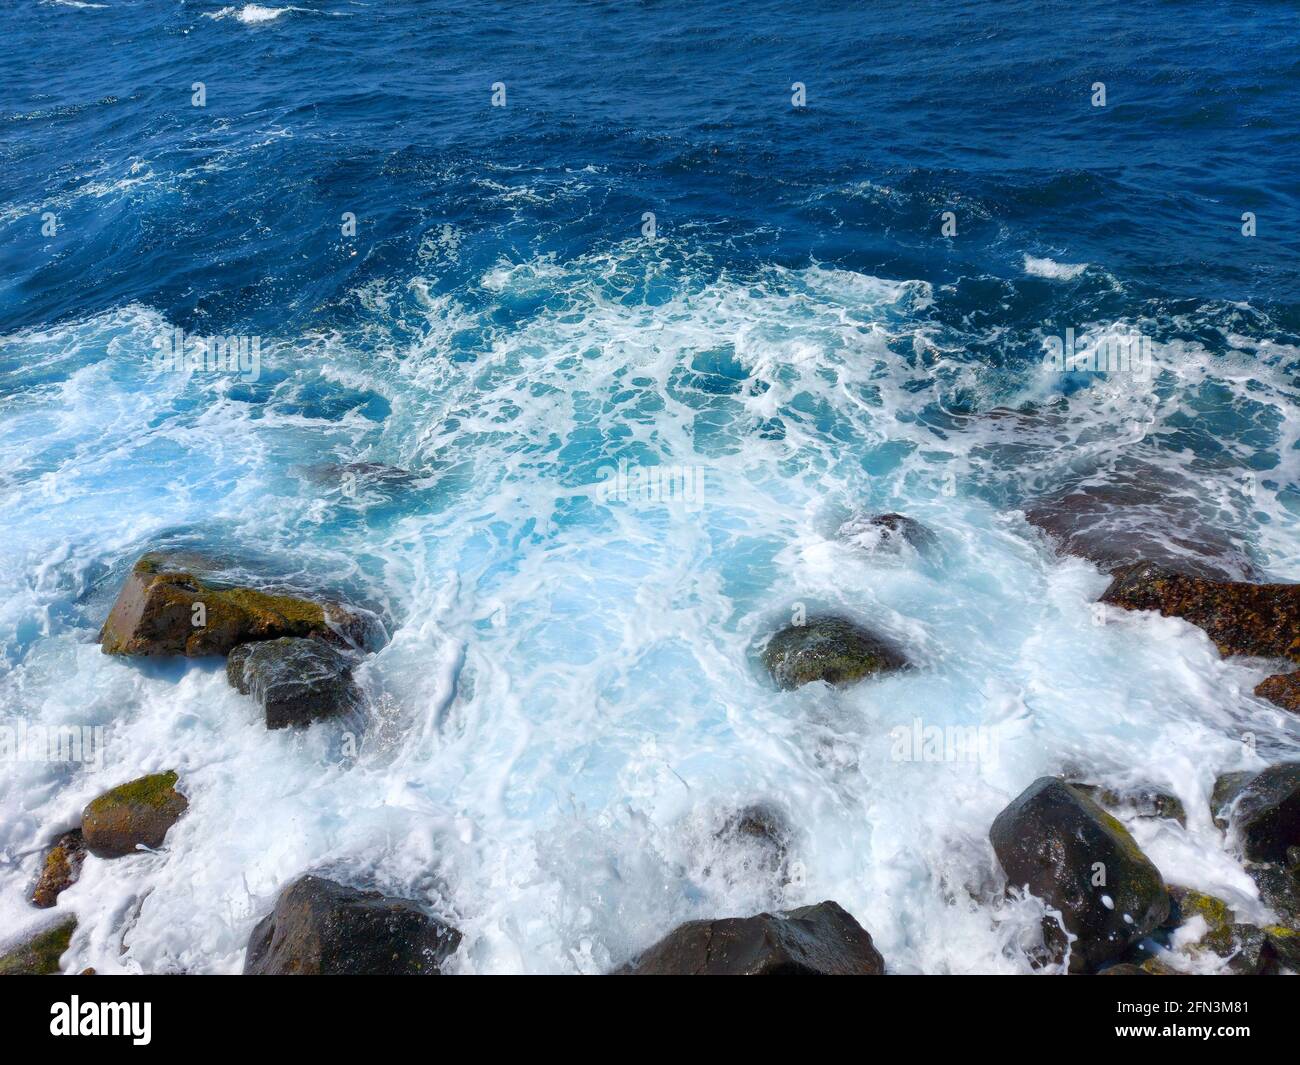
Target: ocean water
(569, 704)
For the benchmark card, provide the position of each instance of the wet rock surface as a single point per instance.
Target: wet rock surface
(1266, 813)
(322, 928)
(1281, 689)
(39, 954)
(163, 610)
(1065, 849)
(61, 868)
(135, 814)
(295, 681)
(1262, 620)
(829, 648)
(1140, 802)
(888, 534)
(820, 940)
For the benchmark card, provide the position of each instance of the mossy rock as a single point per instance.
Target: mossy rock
(1216, 913)
(1141, 802)
(134, 814)
(166, 611)
(831, 649)
(1242, 618)
(39, 956)
(61, 868)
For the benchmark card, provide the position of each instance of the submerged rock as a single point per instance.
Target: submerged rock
(132, 815)
(820, 940)
(39, 955)
(294, 681)
(166, 611)
(1282, 689)
(831, 649)
(761, 837)
(61, 868)
(1068, 851)
(321, 928)
(1262, 620)
(1140, 802)
(1266, 814)
(888, 533)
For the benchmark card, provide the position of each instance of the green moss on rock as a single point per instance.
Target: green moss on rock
(39, 956)
(137, 813)
(830, 649)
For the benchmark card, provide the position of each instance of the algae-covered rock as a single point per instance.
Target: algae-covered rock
(321, 928)
(61, 868)
(1124, 968)
(1217, 915)
(1281, 689)
(820, 940)
(1266, 815)
(831, 649)
(39, 955)
(1262, 620)
(134, 814)
(166, 611)
(1068, 851)
(294, 681)
(1140, 802)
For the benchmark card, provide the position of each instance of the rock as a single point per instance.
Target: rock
(1282, 689)
(1138, 513)
(1124, 968)
(1265, 951)
(830, 649)
(61, 869)
(1055, 841)
(1279, 888)
(1227, 786)
(166, 611)
(888, 533)
(353, 478)
(135, 814)
(39, 955)
(320, 928)
(761, 838)
(1142, 802)
(1261, 620)
(295, 681)
(1266, 815)
(821, 940)
(1217, 915)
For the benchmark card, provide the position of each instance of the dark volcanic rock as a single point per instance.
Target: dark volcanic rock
(61, 869)
(1227, 786)
(39, 955)
(1139, 513)
(320, 928)
(831, 649)
(1059, 844)
(762, 837)
(295, 681)
(1283, 689)
(166, 611)
(1242, 619)
(1124, 969)
(1279, 887)
(821, 940)
(1266, 814)
(133, 814)
(888, 533)
(1141, 802)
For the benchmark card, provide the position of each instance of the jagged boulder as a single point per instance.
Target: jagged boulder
(831, 649)
(820, 940)
(1065, 849)
(1261, 620)
(163, 610)
(138, 813)
(321, 928)
(61, 868)
(40, 954)
(295, 681)
(1266, 814)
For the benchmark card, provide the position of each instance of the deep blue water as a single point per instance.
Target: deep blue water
(569, 703)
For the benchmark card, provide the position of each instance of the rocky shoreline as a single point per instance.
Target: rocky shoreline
(1059, 840)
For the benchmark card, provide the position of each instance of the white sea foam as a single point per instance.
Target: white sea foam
(570, 700)
(1049, 268)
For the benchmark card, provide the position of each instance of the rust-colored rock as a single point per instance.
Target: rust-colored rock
(165, 611)
(1242, 619)
(136, 813)
(1282, 689)
(61, 869)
